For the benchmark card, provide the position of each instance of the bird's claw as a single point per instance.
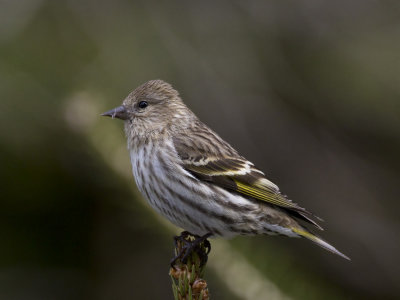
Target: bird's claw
(188, 246)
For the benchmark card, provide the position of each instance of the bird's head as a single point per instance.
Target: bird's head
(152, 108)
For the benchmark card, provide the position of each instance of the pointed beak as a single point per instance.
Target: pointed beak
(119, 112)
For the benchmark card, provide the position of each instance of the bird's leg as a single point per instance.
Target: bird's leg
(202, 251)
(187, 246)
(194, 246)
(182, 238)
(180, 243)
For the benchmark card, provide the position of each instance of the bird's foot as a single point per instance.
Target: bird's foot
(187, 244)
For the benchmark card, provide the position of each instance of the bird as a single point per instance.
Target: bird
(197, 180)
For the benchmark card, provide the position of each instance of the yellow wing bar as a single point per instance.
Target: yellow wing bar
(273, 198)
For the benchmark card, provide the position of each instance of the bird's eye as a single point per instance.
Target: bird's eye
(143, 104)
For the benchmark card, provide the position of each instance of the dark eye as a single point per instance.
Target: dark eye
(143, 104)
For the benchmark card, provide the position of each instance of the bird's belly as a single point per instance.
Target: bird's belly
(195, 206)
(153, 183)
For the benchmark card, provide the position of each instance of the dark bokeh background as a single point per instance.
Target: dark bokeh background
(307, 90)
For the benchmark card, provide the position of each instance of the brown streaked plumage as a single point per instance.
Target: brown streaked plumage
(198, 181)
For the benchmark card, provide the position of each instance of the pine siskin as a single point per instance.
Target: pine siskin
(198, 181)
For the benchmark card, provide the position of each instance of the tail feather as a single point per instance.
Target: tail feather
(320, 242)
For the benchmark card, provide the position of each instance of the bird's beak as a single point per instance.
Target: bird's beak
(119, 112)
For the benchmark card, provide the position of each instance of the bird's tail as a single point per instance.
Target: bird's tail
(320, 242)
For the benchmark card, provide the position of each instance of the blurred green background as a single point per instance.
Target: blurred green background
(307, 90)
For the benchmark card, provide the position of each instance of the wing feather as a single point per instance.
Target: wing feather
(238, 175)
